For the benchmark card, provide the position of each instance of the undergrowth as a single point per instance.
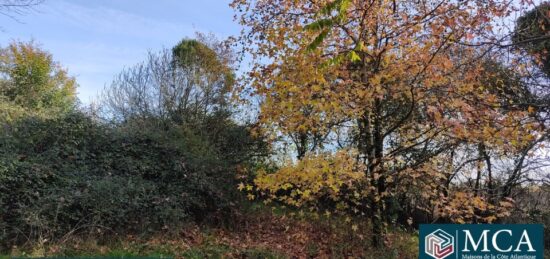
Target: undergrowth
(259, 232)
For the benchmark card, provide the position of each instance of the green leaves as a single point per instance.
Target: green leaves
(340, 5)
(354, 57)
(325, 24)
(62, 170)
(32, 80)
(319, 25)
(318, 40)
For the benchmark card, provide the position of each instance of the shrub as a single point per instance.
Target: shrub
(72, 174)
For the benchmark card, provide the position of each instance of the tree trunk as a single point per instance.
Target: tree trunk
(477, 186)
(488, 164)
(371, 145)
(381, 216)
(301, 145)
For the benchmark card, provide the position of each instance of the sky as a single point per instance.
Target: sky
(96, 39)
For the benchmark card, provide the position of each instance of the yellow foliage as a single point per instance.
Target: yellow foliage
(465, 207)
(335, 177)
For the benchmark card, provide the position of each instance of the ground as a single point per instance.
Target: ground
(257, 233)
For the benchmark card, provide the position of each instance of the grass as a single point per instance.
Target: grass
(209, 248)
(260, 232)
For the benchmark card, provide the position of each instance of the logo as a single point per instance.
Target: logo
(481, 241)
(439, 244)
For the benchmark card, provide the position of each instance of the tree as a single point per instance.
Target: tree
(31, 79)
(179, 85)
(531, 34)
(531, 43)
(530, 37)
(401, 71)
(182, 96)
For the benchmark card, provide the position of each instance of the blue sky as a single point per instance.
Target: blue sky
(96, 39)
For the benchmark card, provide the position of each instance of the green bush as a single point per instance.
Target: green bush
(72, 174)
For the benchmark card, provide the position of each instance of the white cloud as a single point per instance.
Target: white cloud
(120, 23)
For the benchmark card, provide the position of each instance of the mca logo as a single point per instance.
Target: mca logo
(439, 244)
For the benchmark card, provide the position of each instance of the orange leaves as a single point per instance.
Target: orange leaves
(406, 54)
(399, 78)
(466, 207)
(435, 113)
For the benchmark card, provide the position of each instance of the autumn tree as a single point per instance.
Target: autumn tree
(32, 80)
(407, 76)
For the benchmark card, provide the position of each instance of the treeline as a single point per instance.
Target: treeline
(161, 153)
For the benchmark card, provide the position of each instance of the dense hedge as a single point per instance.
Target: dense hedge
(73, 174)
